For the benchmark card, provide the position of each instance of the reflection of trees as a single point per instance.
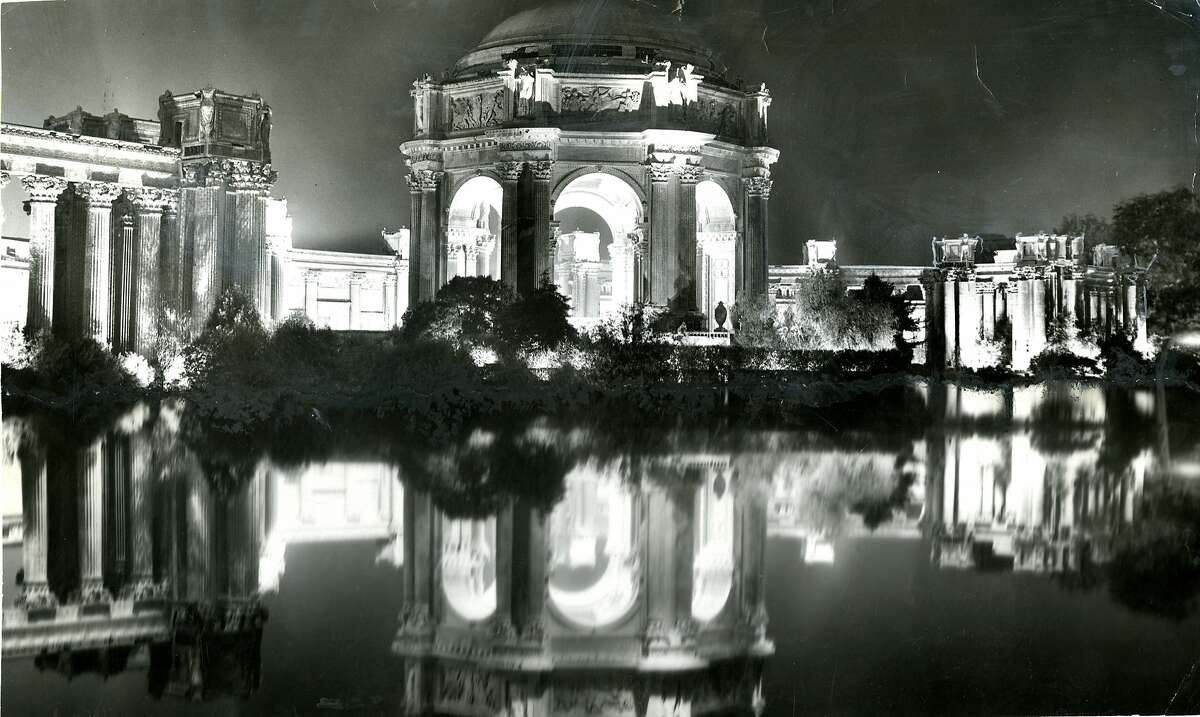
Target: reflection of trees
(1155, 565)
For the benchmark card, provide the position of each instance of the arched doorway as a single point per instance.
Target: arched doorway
(595, 263)
(469, 567)
(593, 566)
(473, 232)
(716, 242)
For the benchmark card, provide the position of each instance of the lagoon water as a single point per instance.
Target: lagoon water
(931, 549)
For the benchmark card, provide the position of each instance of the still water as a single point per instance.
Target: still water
(933, 549)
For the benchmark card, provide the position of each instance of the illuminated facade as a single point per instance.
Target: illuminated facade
(632, 121)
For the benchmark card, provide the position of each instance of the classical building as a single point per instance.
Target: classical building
(130, 216)
(624, 114)
(975, 305)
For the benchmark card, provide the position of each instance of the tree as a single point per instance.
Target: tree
(754, 321)
(1094, 230)
(826, 316)
(1164, 227)
(537, 321)
(464, 313)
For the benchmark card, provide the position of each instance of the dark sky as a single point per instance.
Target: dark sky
(897, 119)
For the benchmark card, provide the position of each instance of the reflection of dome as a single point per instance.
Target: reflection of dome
(596, 31)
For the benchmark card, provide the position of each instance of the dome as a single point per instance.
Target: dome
(578, 34)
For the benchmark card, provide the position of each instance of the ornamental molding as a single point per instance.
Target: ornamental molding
(86, 141)
(42, 188)
(98, 195)
(525, 139)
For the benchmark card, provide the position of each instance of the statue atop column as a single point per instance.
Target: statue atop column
(264, 131)
(208, 111)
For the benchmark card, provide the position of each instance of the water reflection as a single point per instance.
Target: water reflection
(546, 568)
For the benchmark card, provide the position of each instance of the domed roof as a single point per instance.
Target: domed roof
(565, 27)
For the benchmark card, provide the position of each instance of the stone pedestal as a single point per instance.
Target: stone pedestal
(43, 196)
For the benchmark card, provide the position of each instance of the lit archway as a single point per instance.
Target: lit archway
(473, 231)
(716, 241)
(597, 279)
(469, 567)
(712, 577)
(593, 567)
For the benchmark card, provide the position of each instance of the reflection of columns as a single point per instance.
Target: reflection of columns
(311, 279)
(685, 251)
(97, 255)
(142, 509)
(199, 528)
(36, 592)
(542, 172)
(389, 300)
(662, 237)
(758, 192)
(356, 282)
(509, 172)
(149, 206)
(669, 568)
(43, 195)
(91, 523)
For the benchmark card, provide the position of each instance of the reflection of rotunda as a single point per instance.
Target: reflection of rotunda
(567, 122)
(632, 596)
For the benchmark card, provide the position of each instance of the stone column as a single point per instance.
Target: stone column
(170, 253)
(43, 196)
(621, 256)
(663, 250)
(758, 192)
(124, 256)
(687, 287)
(415, 288)
(430, 265)
(149, 205)
(1037, 324)
(389, 300)
(988, 291)
(1130, 305)
(97, 258)
(312, 278)
(969, 309)
(483, 263)
(950, 296)
(91, 523)
(356, 281)
(278, 250)
(36, 591)
(510, 173)
(542, 215)
(1021, 319)
(208, 222)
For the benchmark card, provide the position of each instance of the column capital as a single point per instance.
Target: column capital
(357, 277)
(170, 201)
(252, 176)
(660, 171)
(509, 171)
(543, 169)
(148, 200)
(691, 174)
(758, 186)
(311, 276)
(42, 188)
(98, 194)
(424, 180)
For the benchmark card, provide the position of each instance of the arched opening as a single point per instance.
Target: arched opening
(473, 232)
(712, 576)
(593, 566)
(469, 567)
(595, 262)
(716, 241)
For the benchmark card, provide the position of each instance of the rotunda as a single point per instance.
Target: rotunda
(600, 146)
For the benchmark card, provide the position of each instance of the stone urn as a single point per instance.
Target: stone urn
(720, 314)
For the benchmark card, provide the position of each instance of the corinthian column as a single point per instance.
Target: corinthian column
(686, 286)
(415, 289)
(430, 265)
(662, 237)
(758, 191)
(97, 257)
(356, 282)
(91, 523)
(122, 289)
(542, 211)
(170, 256)
(148, 203)
(311, 282)
(43, 195)
(510, 172)
(36, 592)
(389, 300)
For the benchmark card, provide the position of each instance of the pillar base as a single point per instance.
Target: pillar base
(37, 596)
(93, 592)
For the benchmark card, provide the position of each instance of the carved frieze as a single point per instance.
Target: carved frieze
(592, 100)
(719, 117)
(587, 700)
(485, 109)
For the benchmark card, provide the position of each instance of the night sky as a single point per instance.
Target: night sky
(897, 119)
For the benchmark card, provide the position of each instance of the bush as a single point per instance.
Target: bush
(464, 314)
(537, 321)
